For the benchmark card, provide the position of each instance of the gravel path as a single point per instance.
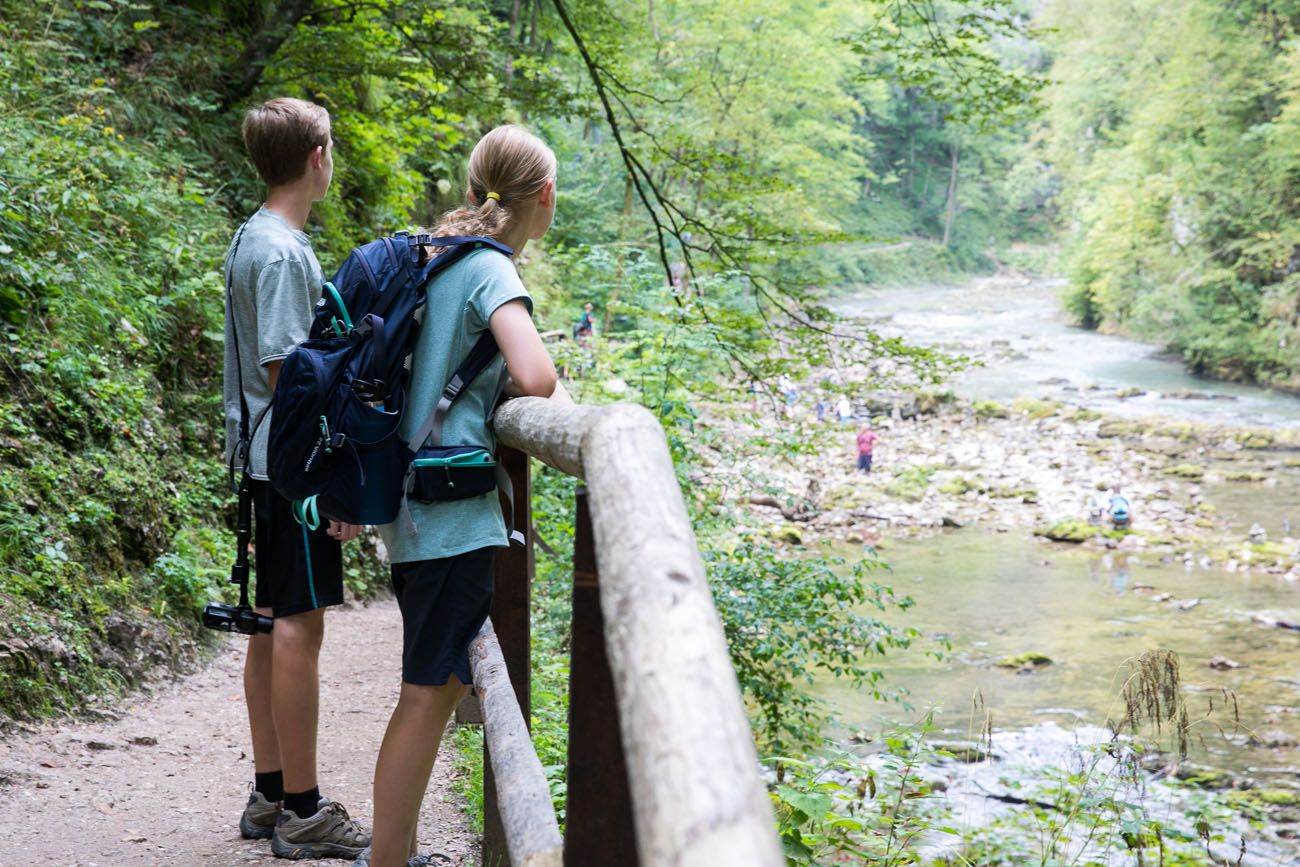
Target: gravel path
(165, 783)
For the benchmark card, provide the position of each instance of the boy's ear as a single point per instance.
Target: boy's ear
(317, 158)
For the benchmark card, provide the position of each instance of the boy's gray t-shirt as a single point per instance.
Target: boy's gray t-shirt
(461, 301)
(276, 282)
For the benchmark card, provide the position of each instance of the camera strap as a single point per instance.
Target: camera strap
(243, 447)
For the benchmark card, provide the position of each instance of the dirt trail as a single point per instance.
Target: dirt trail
(164, 784)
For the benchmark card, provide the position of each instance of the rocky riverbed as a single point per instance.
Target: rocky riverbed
(1040, 465)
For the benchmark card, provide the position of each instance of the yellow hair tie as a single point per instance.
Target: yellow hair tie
(496, 196)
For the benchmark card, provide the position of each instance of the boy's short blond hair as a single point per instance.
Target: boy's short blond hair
(281, 133)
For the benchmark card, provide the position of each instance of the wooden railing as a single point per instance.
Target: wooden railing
(661, 765)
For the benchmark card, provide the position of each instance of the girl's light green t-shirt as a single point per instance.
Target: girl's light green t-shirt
(461, 301)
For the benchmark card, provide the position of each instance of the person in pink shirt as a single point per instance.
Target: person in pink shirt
(867, 440)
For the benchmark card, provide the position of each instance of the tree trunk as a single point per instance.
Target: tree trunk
(514, 40)
(612, 301)
(911, 164)
(951, 210)
(245, 73)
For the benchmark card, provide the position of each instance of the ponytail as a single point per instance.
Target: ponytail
(507, 166)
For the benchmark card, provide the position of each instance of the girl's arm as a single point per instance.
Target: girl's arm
(532, 373)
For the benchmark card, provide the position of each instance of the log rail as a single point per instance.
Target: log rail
(661, 765)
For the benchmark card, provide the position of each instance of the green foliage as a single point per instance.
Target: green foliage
(787, 620)
(1173, 128)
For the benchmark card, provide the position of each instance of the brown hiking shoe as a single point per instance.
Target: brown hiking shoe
(330, 833)
(258, 820)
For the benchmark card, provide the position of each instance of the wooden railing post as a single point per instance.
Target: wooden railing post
(511, 597)
(599, 828)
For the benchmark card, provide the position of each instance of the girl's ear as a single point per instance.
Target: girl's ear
(546, 195)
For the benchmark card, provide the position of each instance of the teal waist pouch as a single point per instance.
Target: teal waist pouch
(441, 473)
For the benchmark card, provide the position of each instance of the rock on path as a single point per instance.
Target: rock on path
(164, 784)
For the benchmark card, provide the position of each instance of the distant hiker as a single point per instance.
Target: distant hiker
(788, 391)
(274, 281)
(843, 409)
(442, 557)
(677, 272)
(585, 326)
(1119, 509)
(867, 440)
(821, 407)
(1095, 510)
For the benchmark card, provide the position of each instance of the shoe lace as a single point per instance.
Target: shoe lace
(342, 820)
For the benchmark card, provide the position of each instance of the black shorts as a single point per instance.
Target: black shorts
(298, 570)
(444, 603)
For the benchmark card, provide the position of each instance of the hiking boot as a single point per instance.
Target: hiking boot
(330, 833)
(433, 859)
(258, 820)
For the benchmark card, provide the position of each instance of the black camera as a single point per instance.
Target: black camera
(235, 618)
(239, 618)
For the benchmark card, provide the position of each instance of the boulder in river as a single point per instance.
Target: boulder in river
(1025, 662)
(1186, 471)
(1073, 530)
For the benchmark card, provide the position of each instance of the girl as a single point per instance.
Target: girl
(442, 568)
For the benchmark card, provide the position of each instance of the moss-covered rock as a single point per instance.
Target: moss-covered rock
(960, 485)
(1184, 431)
(845, 497)
(1121, 428)
(1275, 551)
(1025, 661)
(1191, 472)
(1035, 408)
(928, 402)
(1027, 495)
(1258, 440)
(910, 483)
(1073, 530)
(1204, 778)
(989, 409)
(1245, 476)
(787, 533)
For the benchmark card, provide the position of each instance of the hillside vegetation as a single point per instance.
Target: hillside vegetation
(1175, 130)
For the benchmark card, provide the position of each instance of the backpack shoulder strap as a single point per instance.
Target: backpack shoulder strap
(483, 351)
(480, 356)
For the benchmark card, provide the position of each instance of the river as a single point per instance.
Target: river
(996, 593)
(1030, 350)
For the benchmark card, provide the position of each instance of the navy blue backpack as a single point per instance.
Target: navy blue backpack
(340, 395)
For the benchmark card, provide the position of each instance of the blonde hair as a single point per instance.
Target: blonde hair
(280, 134)
(507, 166)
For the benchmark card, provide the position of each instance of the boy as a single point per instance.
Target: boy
(867, 440)
(274, 282)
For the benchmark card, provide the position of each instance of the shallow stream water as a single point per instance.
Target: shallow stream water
(996, 595)
(1000, 592)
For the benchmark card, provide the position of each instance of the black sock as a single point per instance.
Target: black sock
(303, 804)
(270, 785)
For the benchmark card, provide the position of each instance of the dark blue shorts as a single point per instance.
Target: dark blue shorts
(864, 463)
(298, 570)
(444, 603)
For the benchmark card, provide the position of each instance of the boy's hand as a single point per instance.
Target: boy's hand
(343, 532)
